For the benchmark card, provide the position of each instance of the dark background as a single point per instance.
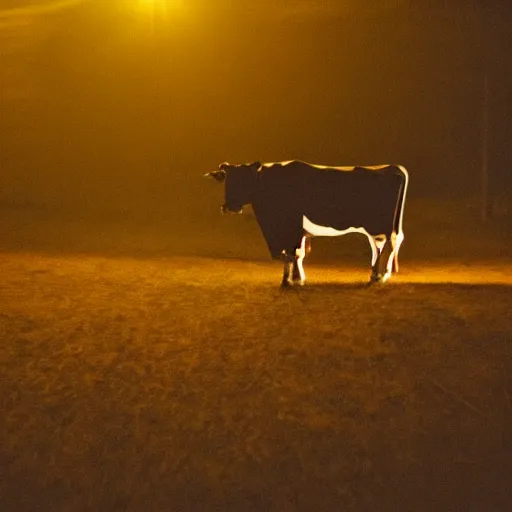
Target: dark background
(120, 105)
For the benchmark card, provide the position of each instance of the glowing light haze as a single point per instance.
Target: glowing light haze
(11, 11)
(117, 98)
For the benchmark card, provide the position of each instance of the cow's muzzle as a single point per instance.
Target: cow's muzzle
(226, 210)
(219, 175)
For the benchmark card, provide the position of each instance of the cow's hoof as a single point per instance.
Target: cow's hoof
(299, 282)
(379, 278)
(286, 284)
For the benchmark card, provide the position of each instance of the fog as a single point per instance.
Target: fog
(125, 104)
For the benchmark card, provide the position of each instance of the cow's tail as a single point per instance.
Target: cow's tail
(399, 213)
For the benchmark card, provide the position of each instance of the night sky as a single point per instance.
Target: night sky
(115, 102)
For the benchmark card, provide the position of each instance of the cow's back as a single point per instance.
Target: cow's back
(337, 197)
(360, 197)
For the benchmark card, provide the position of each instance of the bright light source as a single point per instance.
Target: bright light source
(158, 6)
(158, 13)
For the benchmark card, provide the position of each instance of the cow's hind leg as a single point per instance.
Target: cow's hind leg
(375, 250)
(387, 258)
(378, 244)
(399, 238)
(382, 265)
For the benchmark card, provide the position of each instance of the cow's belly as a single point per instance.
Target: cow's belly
(318, 230)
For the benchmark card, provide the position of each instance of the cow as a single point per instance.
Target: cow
(294, 201)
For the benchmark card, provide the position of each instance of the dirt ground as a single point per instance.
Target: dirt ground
(196, 384)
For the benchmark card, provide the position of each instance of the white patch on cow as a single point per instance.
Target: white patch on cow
(318, 230)
(376, 242)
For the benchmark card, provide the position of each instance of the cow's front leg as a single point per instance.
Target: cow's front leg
(377, 245)
(287, 272)
(398, 239)
(298, 275)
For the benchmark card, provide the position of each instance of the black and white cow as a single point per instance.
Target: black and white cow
(295, 200)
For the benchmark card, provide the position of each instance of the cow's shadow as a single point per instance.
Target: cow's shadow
(329, 286)
(325, 286)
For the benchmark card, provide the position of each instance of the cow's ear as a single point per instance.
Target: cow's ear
(223, 166)
(219, 176)
(256, 165)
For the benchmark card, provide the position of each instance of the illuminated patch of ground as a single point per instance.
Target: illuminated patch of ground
(197, 384)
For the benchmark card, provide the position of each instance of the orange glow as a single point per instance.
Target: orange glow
(157, 13)
(158, 7)
(31, 10)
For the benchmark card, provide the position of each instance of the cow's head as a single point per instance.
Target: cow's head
(239, 181)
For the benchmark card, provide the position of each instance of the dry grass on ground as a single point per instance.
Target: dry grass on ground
(187, 384)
